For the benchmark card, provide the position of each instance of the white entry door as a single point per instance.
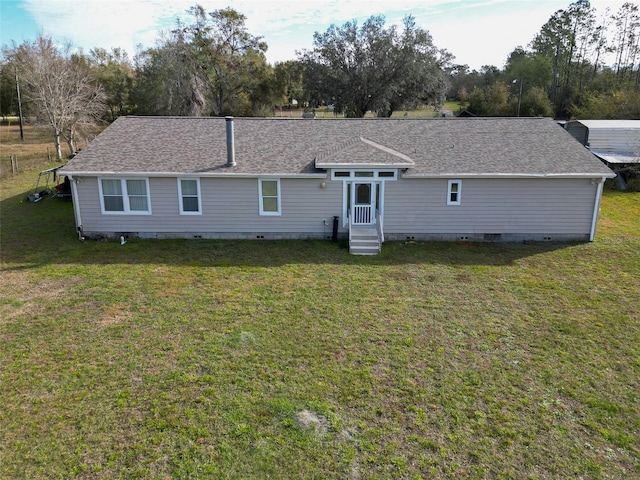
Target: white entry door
(363, 203)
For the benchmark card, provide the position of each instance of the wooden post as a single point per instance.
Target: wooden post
(48, 155)
(14, 164)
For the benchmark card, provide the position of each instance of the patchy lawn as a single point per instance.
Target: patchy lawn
(240, 359)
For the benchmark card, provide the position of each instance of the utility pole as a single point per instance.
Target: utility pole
(520, 97)
(19, 107)
(519, 80)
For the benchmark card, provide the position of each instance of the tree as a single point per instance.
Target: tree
(627, 38)
(460, 79)
(568, 39)
(114, 70)
(613, 105)
(533, 69)
(168, 80)
(8, 97)
(535, 103)
(59, 87)
(289, 82)
(373, 67)
(492, 101)
(211, 65)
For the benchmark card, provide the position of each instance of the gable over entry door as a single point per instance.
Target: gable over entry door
(363, 205)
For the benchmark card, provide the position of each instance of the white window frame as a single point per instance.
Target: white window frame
(458, 192)
(181, 196)
(261, 197)
(374, 177)
(125, 197)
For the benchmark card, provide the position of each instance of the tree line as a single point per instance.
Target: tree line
(211, 65)
(562, 72)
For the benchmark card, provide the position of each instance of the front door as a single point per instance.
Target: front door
(363, 206)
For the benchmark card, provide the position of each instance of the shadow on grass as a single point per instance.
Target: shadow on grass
(43, 233)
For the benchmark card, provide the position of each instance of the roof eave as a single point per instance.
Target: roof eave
(87, 173)
(335, 165)
(508, 175)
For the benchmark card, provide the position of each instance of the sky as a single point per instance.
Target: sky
(476, 32)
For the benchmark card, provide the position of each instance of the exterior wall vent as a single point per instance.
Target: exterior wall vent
(492, 237)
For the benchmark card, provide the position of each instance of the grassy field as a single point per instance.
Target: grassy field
(425, 112)
(253, 360)
(37, 147)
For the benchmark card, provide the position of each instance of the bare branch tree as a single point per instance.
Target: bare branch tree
(59, 86)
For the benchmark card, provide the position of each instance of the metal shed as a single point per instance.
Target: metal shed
(615, 142)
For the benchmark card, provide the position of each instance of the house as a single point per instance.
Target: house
(615, 142)
(369, 180)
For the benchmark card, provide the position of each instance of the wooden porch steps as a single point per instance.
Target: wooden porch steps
(364, 240)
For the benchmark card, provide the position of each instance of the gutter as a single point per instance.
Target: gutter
(507, 175)
(596, 208)
(194, 174)
(76, 205)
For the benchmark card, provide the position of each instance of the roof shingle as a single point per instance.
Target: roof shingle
(451, 146)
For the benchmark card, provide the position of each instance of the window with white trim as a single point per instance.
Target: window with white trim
(189, 196)
(124, 195)
(454, 190)
(353, 174)
(269, 194)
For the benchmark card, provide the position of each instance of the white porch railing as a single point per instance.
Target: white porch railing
(379, 228)
(361, 215)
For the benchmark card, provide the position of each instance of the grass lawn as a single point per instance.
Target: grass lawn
(254, 360)
(423, 112)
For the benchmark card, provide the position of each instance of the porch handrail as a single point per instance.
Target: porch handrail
(379, 227)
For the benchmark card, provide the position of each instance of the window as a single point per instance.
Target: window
(269, 193)
(453, 192)
(353, 174)
(121, 195)
(112, 198)
(189, 196)
(387, 174)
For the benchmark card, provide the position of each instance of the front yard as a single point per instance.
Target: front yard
(240, 359)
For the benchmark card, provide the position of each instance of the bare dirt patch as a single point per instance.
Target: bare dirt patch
(308, 420)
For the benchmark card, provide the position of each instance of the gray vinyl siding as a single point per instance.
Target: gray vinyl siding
(515, 208)
(229, 206)
(521, 207)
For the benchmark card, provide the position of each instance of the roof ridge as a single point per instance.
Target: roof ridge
(337, 147)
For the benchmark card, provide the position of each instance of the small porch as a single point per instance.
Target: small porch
(364, 167)
(365, 238)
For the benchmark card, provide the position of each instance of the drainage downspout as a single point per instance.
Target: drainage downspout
(231, 151)
(596, 208)
(76, 206)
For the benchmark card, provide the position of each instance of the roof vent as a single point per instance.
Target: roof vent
(231, 151)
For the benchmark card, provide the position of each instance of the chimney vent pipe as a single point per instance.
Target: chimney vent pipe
(231, 150)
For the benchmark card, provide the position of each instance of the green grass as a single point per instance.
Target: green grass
(423, 112)
(193, 359)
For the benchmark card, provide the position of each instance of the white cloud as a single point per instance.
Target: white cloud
(105, 23)
(477, 32)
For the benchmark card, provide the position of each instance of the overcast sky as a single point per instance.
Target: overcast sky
(476, 32)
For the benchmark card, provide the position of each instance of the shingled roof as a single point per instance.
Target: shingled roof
(297, 147)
